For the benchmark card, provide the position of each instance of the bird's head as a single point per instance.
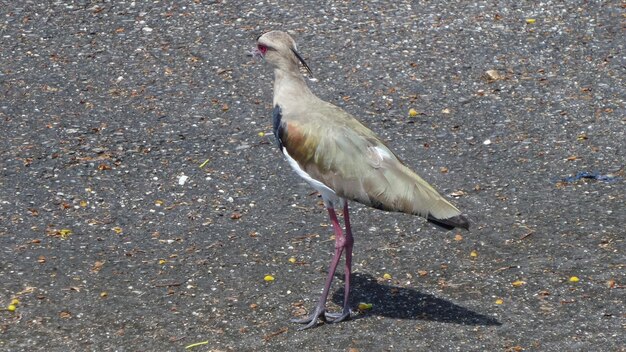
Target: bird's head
(279, 50)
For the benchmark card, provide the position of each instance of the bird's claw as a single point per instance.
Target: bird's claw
(311, 320)
(338, 317)
(321, 315)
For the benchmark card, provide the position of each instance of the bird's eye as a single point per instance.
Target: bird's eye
(262, 48)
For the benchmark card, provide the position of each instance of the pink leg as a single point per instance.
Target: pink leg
(340, 244)
(348, 243)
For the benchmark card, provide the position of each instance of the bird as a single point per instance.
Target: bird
(343, 161)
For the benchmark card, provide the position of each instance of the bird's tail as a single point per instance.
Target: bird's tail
(460, 221)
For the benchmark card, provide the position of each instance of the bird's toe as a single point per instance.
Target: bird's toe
(312, 320)
(338, 317)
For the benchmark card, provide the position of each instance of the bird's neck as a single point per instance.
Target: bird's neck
(290, 87)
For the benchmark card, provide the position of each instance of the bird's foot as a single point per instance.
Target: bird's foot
(338, 317)
(321, 315)
(312, 319)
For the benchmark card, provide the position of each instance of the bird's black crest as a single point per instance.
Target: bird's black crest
(279, 128)
(308, 69)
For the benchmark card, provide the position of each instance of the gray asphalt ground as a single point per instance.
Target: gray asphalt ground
(106, 105)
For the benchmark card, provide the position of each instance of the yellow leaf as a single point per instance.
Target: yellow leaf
(65, 233)
(473, 254)
(162, 261)
(268, 278)
(261, 134)
(292, 260)
(387, 276)
(11, 308)
(499, 301)
(365, 306)
(518, 283)
(413, 112)
(117, 230)
(15, 301)
(531, 20)
(574, 279)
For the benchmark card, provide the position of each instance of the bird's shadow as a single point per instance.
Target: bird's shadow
(406, 303)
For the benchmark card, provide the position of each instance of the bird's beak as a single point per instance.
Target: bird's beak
(302, 61)
(255, 53)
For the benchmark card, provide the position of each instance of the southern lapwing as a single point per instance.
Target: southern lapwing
(343, 160)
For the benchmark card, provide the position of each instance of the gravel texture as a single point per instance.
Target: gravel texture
(143, 201)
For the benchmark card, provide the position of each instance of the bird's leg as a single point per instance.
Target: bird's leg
(348, 243)
(340, 244)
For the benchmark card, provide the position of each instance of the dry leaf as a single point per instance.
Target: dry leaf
(97, 266)
(493, 75)
(65, 314)
(458, 194)
(275, 333)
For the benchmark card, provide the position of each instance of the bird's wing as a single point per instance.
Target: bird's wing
(337, 150)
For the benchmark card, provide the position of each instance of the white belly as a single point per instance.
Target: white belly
(328, 195)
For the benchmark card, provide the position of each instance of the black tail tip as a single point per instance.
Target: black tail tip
(460, 221)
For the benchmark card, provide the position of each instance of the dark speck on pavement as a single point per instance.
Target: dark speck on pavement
(143, 202)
